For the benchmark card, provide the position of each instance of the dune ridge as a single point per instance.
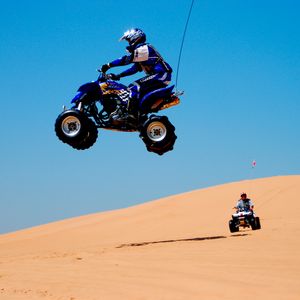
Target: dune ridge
(178, 247)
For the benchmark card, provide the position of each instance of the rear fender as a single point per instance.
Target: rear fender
(155, 98)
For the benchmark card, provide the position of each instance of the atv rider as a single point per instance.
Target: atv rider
(244, 204)
(144, 57)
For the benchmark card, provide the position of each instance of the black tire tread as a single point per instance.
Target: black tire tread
(85, 139)
(163, 146)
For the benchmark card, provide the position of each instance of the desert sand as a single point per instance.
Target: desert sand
(178, 247)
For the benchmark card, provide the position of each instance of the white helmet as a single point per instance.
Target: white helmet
(134, 36)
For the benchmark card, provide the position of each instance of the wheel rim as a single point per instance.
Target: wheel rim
(156, 131)
(71, 126)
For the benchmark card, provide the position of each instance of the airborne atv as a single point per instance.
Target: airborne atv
(244, 218)
(96, 102)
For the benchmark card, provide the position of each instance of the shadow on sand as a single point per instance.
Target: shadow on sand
(181, 240)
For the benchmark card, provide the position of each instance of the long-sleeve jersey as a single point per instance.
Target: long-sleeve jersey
(244, 204)
(144, 58)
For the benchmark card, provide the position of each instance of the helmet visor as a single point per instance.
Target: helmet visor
(126, 36)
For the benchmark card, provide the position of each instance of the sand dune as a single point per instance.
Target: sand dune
(174, 248)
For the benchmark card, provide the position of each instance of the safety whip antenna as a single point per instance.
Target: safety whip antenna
(182, 41)
(251, 175)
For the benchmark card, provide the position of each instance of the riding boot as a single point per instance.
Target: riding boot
(119, 114)
(132, 108)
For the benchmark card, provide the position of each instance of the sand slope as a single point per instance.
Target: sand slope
(178, 247)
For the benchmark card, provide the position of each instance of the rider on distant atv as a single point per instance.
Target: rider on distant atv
(144, 58)
(244, 216)
(244, 204)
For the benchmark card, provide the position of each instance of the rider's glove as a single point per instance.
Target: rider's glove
(104, 68)
(114, 76)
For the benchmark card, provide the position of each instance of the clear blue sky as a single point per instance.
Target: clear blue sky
(241, 75)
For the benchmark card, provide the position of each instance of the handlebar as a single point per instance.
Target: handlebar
(103, 76)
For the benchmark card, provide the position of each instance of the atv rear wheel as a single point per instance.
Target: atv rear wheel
(158, 134)
(76, 129)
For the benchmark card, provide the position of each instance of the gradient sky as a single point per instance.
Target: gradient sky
(240, 70)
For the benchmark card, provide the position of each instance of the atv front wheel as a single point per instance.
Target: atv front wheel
(76, 129)
(257, 223)
(90, 138)
(233, 227)
(158, 134)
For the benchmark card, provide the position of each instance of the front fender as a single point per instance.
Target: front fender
(87, 93)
